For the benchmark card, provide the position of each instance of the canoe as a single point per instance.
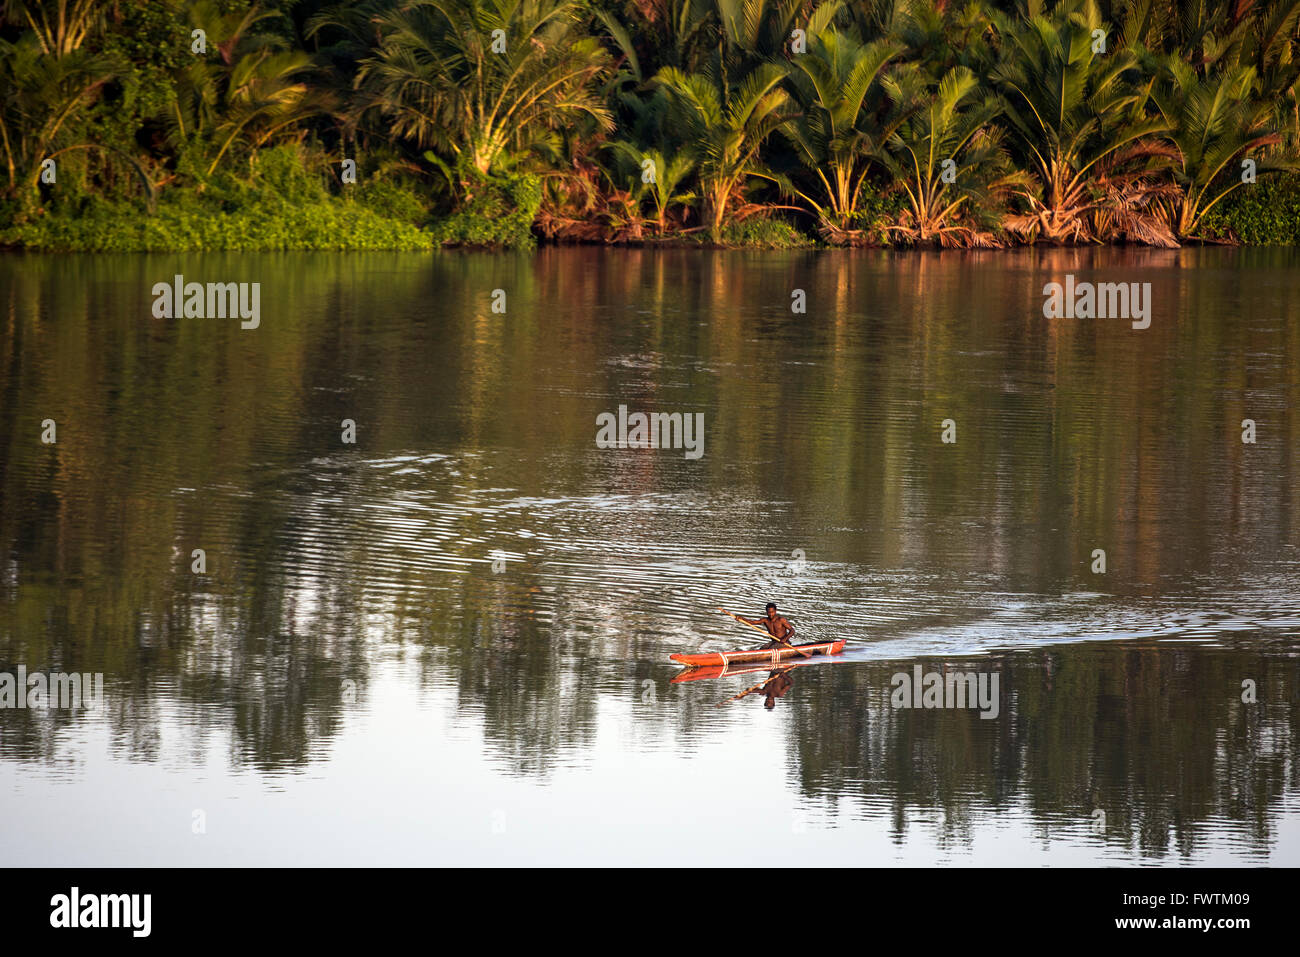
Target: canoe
(761, 655)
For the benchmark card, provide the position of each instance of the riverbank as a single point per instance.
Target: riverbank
(387, 219)
(283, 206)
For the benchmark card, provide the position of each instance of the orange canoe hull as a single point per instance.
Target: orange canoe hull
(772, 656)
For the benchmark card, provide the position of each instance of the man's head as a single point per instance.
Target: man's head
(770, 609)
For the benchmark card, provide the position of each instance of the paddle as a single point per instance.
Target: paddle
(757, 687)
(768, 634)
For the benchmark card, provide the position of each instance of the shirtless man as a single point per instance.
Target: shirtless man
(776, 626)
(777, 685)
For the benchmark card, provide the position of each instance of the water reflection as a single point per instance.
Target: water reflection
(774, 686)
(776, 682)
(475, 550)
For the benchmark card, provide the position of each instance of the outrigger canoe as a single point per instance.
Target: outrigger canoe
(772, 656)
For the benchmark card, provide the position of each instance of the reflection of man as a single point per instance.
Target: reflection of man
(776, 687)
(776, 626)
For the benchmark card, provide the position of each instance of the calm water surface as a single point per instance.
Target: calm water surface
(448, 642)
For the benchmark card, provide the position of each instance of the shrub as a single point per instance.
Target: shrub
(186, 224)
(395, 201)
(1265, 213)
(876, 212)
(764, 233)
(279, 173)
(500, 212)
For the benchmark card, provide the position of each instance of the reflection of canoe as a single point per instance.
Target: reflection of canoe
(769, 656)
(705, 672)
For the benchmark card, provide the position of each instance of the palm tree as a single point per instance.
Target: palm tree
(665, 187)
(728, 125)
(437, 79)
(1266, 41)
(1275, 55)
(1214, 123)
(1070, 110)
(938, 34)
(40, 98)
(678, 33)
(947, 158)
(759, 30)
(61, 27)
(832, 81)
(251, 90)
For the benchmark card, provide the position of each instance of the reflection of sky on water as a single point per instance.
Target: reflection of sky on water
(409, 781)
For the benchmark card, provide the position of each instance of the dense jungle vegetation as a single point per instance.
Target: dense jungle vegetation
(406, 124)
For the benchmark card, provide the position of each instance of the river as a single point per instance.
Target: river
(446, 641)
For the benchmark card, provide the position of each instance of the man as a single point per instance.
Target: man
(776, 626)
(777, 685)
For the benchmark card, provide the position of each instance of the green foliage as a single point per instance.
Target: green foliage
(498, 213)
(468, 107)
(1073, 111)
(1265, 213)
(281, 173)
(877, 212)
(393, 200)
(1215, 122)
(834, 83)
(483, 80)
(282, 204)
(730, 120)
(185, 224)
(764, 233)
(948, 159)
